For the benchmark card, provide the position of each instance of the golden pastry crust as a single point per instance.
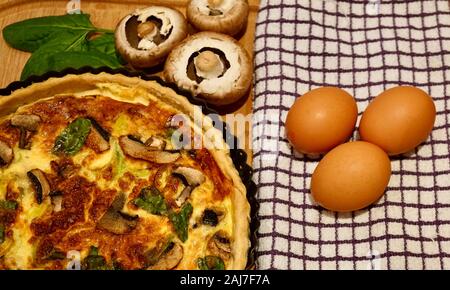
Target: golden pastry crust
(78, 84)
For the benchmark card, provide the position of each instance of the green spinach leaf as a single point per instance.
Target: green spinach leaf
(180, 221)
(30, 34)
(73, 137)
(104, 43)
(61, 42)
(39, 62)
(94, 261)
(8, 204)
(93, 251)
(62, 60)
(151, 200)
(210, 263)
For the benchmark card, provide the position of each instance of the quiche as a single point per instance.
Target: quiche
(105, 171)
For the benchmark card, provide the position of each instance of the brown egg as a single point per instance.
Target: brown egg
(351, 177)
(321, 119)
(398, 120)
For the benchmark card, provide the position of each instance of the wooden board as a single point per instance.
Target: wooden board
(104, 14)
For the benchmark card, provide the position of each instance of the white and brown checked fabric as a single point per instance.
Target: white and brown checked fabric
(363, 47)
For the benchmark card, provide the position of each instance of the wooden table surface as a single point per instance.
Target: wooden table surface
(104, 14)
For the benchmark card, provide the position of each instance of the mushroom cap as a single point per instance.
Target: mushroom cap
(224, 90)
(231, 22)
(141, 58)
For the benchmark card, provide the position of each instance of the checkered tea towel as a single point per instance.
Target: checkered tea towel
(363, 47)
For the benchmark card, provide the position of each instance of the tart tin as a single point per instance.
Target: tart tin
(238, 156)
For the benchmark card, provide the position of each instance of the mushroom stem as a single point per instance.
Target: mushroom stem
(207, 61)
(145, 28)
